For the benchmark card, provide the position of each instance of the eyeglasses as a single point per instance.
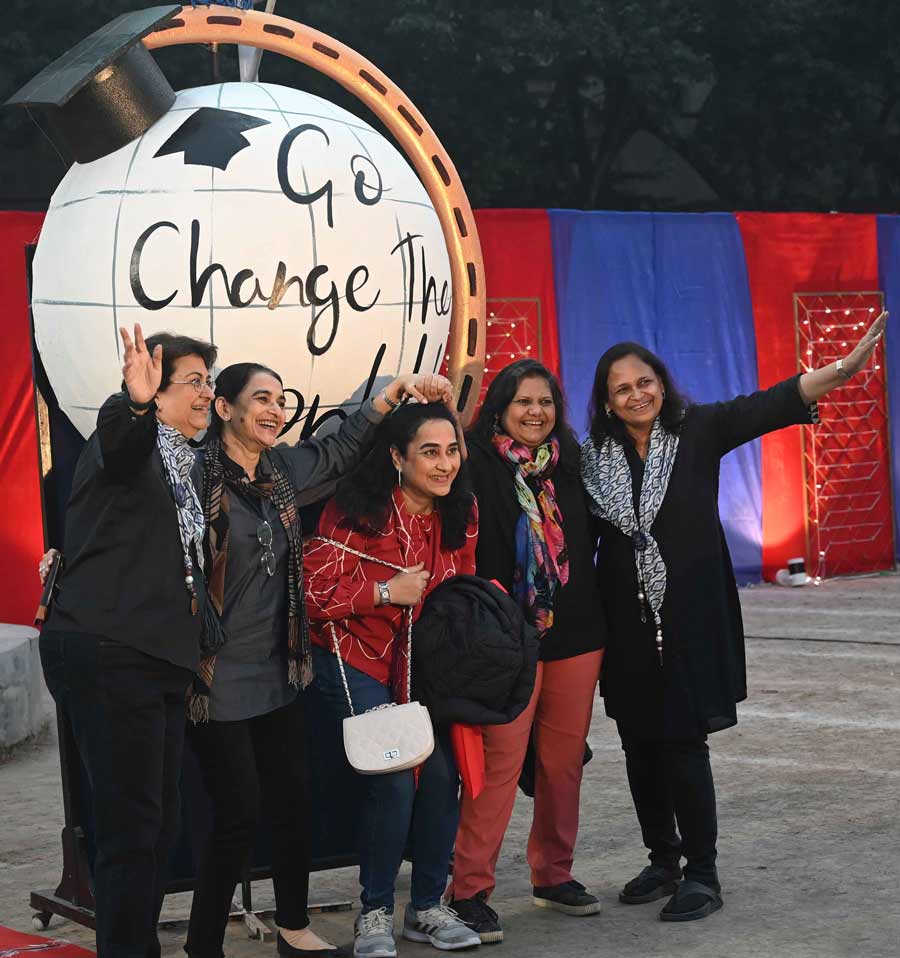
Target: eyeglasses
(267, 560)
(196, 382)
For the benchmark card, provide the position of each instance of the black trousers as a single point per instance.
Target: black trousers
(672, 782)
(127, 712)
(252, 767)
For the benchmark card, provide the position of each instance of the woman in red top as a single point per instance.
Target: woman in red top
(405, 504)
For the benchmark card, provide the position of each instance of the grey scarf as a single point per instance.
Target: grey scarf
(607, 478)
(178, 460)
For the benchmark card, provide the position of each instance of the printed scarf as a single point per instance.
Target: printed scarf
(542, 560)
(276, 487)
(178, 460)
(607, 478)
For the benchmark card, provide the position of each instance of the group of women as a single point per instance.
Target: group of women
(190, 588)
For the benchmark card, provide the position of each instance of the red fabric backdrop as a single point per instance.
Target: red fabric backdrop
(790, 253)
(21, 532)
(518, 263)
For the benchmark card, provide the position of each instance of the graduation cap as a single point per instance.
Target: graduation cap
(106, 91)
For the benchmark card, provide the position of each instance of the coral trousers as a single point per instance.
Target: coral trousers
(559, 714)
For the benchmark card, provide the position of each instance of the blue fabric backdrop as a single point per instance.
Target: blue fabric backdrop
(677, 283)
(889, 273)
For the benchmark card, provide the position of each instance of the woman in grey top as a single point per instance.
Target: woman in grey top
(247, 726)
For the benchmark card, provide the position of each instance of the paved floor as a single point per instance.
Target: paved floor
(809, 795)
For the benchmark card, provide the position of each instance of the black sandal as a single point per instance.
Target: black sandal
(692, 900)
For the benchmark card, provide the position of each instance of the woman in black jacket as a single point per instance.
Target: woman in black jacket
(674, 665)
(122, 640)
(535, 541)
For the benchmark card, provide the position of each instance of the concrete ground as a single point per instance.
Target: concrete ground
(809, 795)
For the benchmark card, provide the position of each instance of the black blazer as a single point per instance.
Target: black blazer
(579, 625)
(123, 577)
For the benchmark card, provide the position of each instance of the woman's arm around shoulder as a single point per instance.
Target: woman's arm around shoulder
(315, 465)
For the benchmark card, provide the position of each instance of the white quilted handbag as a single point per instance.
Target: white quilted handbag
(391, 737)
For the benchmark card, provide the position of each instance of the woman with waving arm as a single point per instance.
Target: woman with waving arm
(674, 664)
(122, 640)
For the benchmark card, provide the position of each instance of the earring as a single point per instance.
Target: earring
(608, 413)
(496, 423)
(399, 476)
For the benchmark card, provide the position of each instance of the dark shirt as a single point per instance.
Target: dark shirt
(578, 621)
(251, 668)
(123, 576)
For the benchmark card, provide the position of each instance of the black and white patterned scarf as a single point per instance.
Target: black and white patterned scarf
(178, 460)
(607, 478)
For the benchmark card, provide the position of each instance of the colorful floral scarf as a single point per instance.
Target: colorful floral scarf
(542, 560)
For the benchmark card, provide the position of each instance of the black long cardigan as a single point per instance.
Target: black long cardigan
(703, 674)
(578, 625)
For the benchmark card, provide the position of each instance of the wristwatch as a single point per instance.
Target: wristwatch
(839, 369)
(384, 593)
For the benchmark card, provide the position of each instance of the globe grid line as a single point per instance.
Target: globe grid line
(423, 148)
(115, 245)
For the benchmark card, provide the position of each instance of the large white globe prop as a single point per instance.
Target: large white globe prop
(270, 221)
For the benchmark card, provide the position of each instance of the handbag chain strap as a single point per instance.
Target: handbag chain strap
(409, 624)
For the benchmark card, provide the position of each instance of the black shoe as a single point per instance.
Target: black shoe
(692, 900)
(480, 917)
(655, 881)
(570, 897)
(287, 950)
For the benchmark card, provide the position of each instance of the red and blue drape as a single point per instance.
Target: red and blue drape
(711, 292)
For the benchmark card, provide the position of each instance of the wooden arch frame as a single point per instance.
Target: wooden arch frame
(466, 342)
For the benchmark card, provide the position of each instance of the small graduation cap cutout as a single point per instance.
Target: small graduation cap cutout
(210, 137)
(107, 90)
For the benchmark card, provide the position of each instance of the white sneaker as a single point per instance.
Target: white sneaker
(440, 926)
(373, 934)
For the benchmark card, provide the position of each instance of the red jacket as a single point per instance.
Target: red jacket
(340, 586)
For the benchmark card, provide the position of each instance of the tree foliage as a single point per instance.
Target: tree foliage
(635, 104)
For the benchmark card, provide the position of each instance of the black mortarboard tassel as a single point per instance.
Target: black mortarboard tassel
(106, 91)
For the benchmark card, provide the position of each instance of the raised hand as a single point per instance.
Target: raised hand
(141, 371)
(423, 387)
(859, 357)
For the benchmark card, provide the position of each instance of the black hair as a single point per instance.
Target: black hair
(501, 393)
(230, 383)
(176, 347)
(364, 495)
(603, 426)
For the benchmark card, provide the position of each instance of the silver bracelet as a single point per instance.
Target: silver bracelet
(839, 369)
(393, 405)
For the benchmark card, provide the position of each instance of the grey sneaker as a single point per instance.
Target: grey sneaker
(440, 926)
(373, 935)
